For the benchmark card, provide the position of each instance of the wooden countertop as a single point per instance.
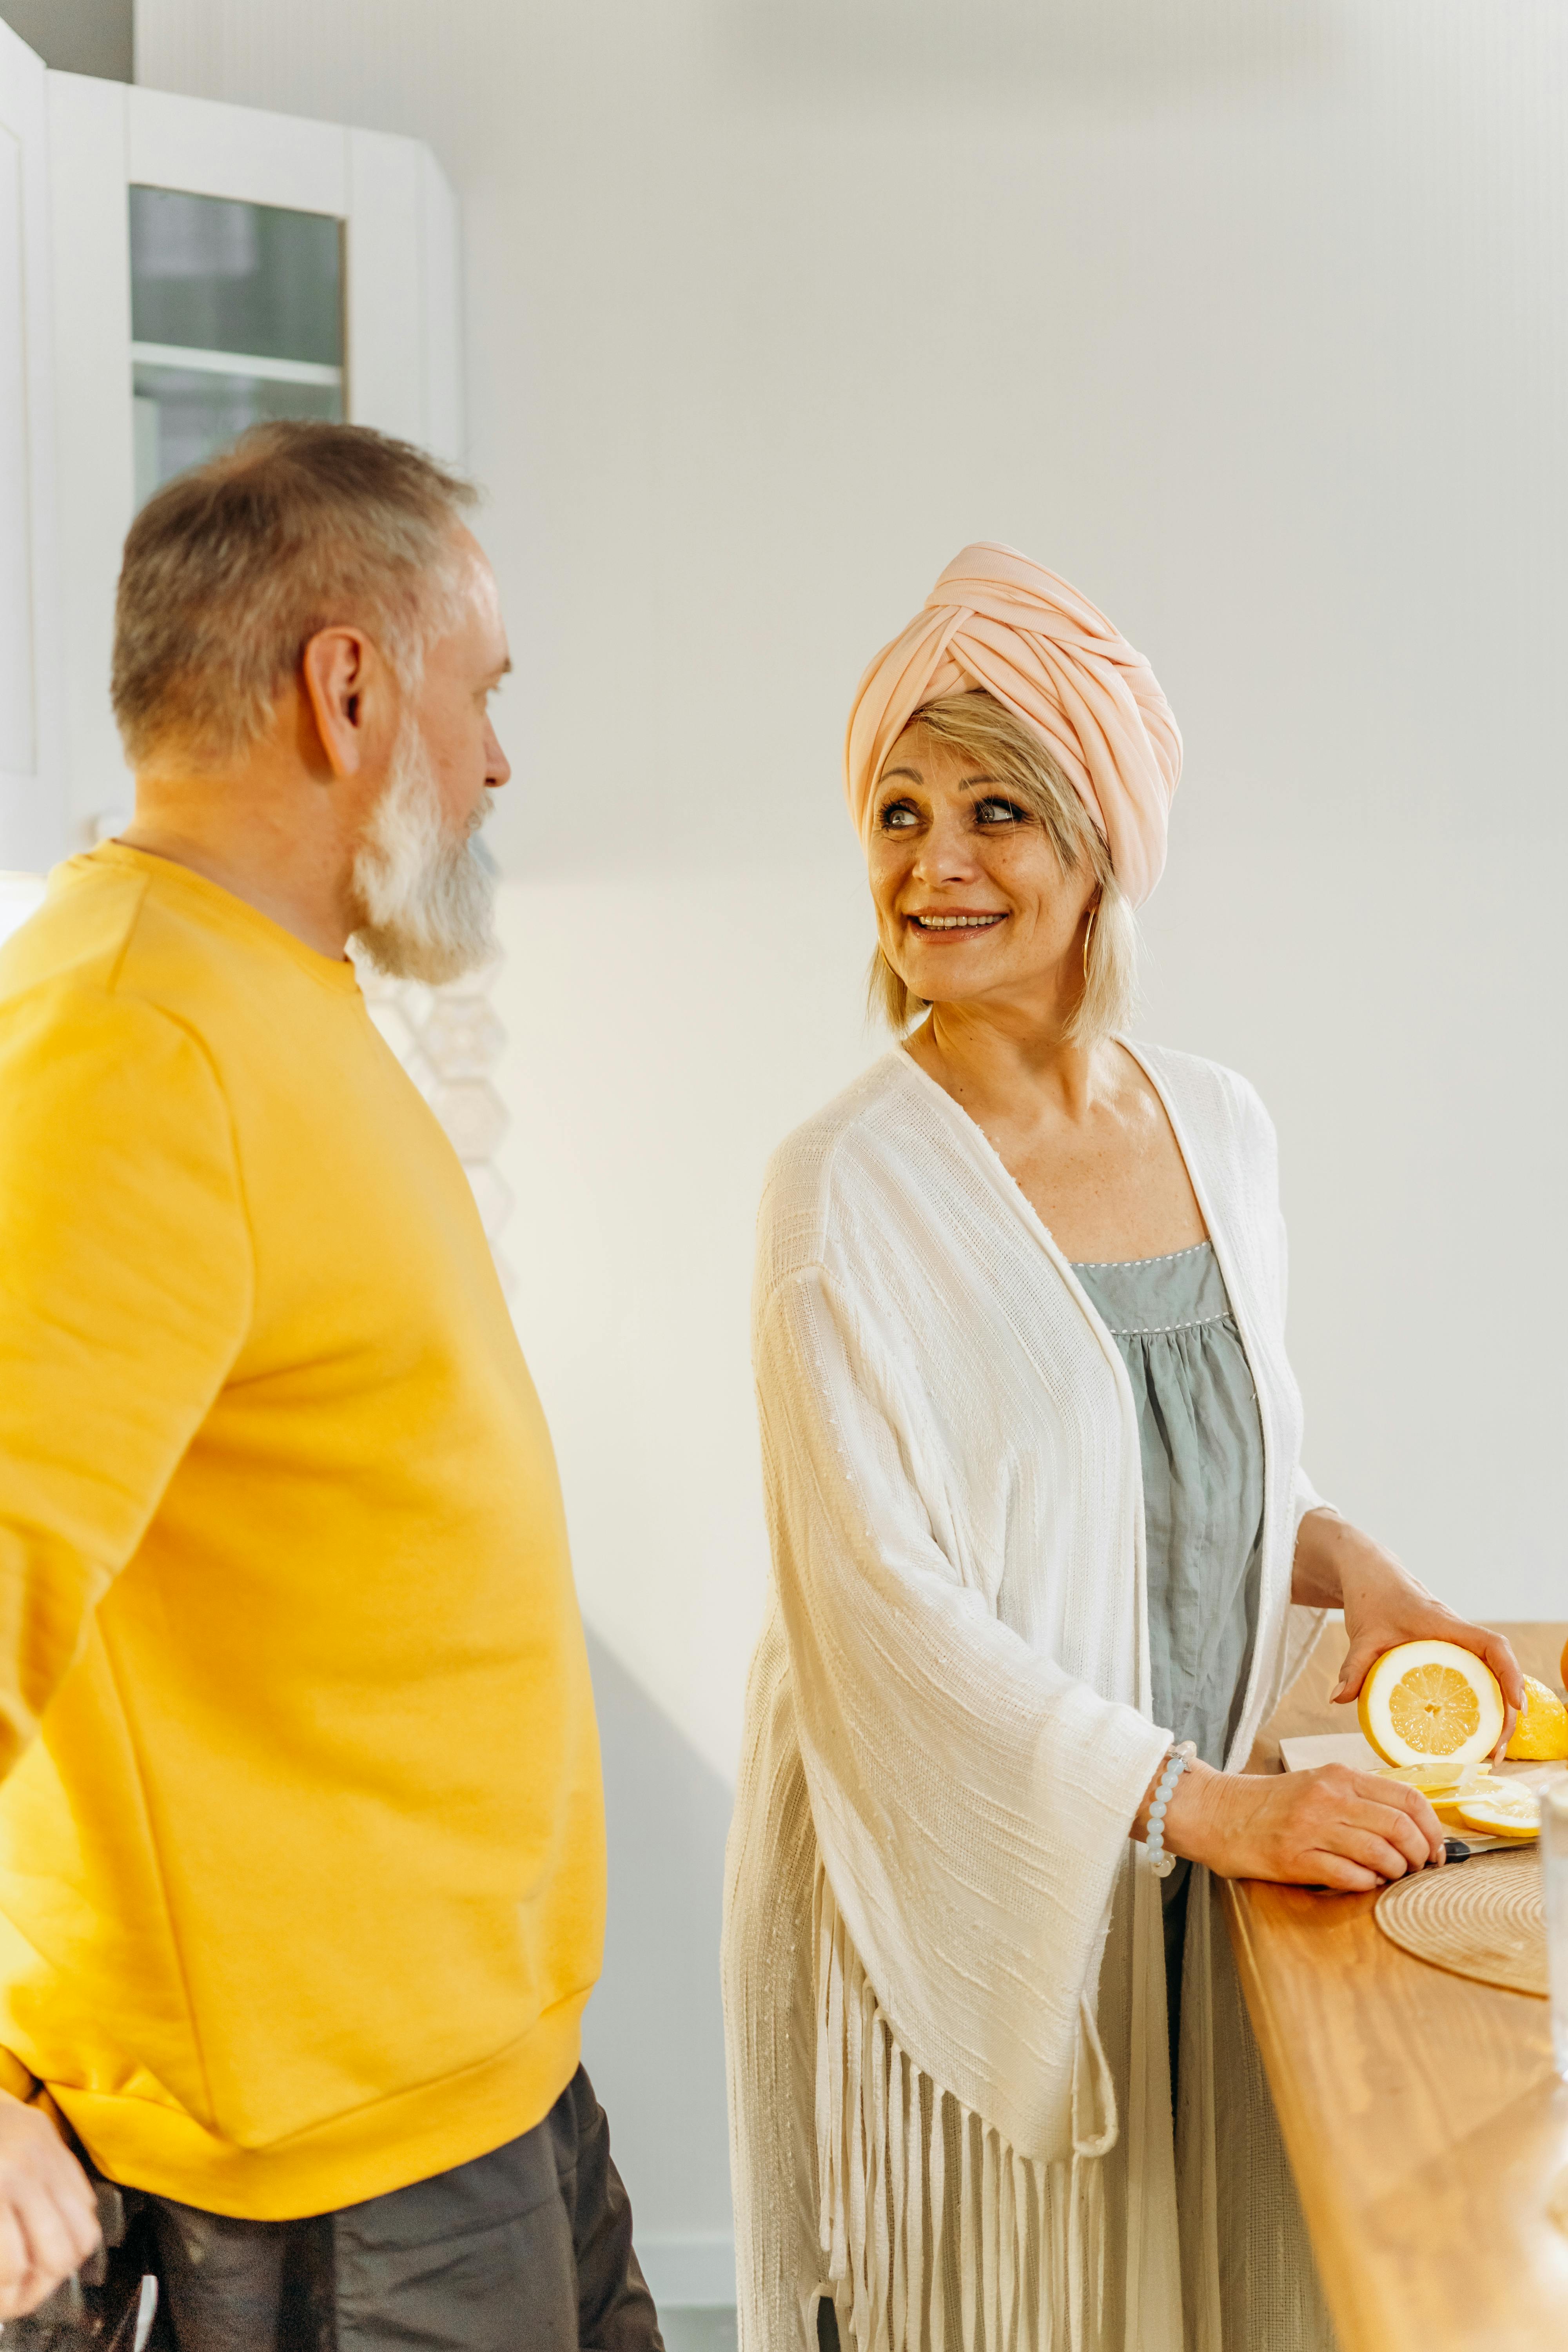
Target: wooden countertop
(1425, 2128)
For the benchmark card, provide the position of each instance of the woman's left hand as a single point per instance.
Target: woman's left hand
(1338, 1567)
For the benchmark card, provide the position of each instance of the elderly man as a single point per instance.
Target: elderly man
(301, 1847)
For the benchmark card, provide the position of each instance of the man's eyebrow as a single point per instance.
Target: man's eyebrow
(502, 669)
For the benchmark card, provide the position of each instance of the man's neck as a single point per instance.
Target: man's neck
(282, 852)
(280, 906)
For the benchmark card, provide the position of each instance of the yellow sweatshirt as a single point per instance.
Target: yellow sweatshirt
(301, 1848)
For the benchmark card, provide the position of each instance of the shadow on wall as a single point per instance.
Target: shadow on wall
(85, 36)
(654, 2036)
(1126, 48)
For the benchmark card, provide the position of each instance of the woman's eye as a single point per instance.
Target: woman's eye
(995, 810)
(898, 815)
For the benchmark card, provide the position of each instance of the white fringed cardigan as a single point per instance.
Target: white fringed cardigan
(943, 1968)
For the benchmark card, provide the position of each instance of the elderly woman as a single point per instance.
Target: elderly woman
(1045, 1556)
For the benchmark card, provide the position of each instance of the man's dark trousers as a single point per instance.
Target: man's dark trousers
(526, 2250)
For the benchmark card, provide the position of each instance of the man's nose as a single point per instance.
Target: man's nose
(497, 767)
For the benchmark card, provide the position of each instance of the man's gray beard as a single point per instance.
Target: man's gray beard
(427, 902)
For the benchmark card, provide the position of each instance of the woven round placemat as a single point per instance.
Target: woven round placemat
(1481, 1918)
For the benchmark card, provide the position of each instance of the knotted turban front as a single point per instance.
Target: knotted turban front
(997, 621)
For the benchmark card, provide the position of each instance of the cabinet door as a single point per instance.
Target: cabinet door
(406, 368)
(88, 240)
(33, 832)
(198, 285)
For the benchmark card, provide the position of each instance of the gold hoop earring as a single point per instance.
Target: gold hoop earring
(1086, 937)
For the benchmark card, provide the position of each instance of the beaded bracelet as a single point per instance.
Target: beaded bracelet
(1176, 1763)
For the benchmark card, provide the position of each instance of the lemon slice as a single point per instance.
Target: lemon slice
(1438, 1782)
(1505, 1809)
(1431, 1701)
(1540, 1735)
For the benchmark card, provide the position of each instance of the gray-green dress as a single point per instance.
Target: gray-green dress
(1202, 1444)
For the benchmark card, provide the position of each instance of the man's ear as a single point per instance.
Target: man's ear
(338, 667)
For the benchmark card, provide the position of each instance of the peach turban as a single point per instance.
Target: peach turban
(997, 621)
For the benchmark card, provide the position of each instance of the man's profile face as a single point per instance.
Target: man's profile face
(423, 898)
(451, 707)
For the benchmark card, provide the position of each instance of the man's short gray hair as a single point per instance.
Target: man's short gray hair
(231, 568)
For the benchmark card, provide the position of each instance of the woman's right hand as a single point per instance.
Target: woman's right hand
(1334, 1827)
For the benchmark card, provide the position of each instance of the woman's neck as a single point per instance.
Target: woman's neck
(1080, 1130)
(1003, 1063)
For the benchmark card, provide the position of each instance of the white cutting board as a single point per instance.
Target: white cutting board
(1304, 1755)
(1315, 1748)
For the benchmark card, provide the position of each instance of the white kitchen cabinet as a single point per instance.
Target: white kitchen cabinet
(33, 828)
(194, 266)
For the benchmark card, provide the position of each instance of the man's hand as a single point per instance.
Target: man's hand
(49, 2215)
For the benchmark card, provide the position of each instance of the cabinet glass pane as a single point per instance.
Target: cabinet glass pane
(183, 418)
(221, 276)
(235, 317)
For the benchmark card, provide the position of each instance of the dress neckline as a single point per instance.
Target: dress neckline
(1126, 1264)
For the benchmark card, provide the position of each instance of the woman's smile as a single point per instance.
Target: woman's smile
(933, 921)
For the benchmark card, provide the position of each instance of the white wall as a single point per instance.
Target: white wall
(1249, 319)
(1247, 315)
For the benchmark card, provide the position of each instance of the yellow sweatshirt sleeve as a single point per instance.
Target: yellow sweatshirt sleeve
(125, 1290)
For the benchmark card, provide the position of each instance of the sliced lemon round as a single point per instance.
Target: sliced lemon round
(1430, 1702)
(1505, 1810)
(1540, 1735)
(1436, 1781)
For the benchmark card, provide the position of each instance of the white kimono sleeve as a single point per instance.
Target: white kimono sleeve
(971, 1800)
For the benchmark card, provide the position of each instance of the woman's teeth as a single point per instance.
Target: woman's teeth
(955, 922)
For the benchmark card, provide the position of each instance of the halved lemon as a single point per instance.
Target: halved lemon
(1427, 1702)
(1505, 1809)
(1540, 1735)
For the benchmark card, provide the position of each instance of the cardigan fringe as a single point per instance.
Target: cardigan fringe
(1020, 2245)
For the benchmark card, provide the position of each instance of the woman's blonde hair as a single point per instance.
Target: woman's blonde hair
(1021, 763)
